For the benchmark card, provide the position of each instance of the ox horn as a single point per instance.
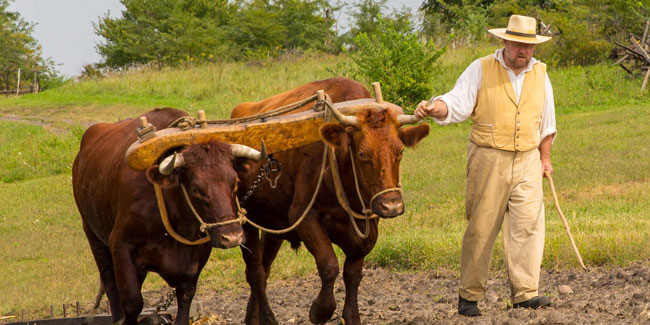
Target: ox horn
(240, 150)
(343, 119)
(168, 164)
(408, 119)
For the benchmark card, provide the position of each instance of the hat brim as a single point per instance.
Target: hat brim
(501, 33)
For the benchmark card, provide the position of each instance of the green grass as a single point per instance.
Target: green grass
(214, 88)
(30, 151)
(601, 161)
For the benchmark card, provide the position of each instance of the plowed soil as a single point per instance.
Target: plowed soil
(599, 296)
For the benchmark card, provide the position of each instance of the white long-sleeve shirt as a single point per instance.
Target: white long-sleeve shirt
(462, 99)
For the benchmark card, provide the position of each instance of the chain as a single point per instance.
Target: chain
(166, 302)
(272, 165)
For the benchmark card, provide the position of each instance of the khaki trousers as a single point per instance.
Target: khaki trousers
(503, 187)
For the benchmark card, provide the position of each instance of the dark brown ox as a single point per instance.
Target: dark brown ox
(376, 142)
(122, 221)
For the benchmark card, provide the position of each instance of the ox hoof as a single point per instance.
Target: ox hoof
(321, 313)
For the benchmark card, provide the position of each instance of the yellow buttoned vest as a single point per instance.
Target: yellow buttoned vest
(498, 120)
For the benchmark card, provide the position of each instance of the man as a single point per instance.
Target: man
(510, 100)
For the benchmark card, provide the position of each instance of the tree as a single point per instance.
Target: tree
(367, 15)
(463, 21)
(172, 32)
(165, 32)
(19, 50)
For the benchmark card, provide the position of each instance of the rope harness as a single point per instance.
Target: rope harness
(241, 217)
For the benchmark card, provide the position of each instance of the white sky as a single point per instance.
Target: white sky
(64, 27)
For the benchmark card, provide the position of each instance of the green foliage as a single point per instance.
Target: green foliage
(368, 15)
(170, 32)
(463, 21)
(580, 36)
(399, 60)
(583, 30)
(165, 32)
(19, 50)
(578, 43)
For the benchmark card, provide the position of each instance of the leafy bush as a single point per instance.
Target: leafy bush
(399, 60)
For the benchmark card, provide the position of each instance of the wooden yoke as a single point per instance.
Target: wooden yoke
(279, 133)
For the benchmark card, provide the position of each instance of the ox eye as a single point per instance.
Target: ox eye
(362, 155)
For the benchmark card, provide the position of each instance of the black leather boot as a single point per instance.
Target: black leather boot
(534, 303)
(468, 308)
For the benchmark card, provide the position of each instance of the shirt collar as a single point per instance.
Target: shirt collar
(498, 54)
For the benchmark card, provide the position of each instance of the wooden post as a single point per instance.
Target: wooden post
(51, 311)
(202, 121)
(18, 83)
(77, 309)
(37, 85)
(143, 122)
(65, 311)
(377, 89)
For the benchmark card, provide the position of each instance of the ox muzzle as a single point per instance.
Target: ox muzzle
(228, 236)
(388, 203)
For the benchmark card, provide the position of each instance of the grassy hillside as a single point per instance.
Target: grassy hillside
(601, 159)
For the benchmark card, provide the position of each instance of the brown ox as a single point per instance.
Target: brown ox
(376, 143)
(122, 221)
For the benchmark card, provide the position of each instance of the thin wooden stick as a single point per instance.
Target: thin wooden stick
(645, 34)
(635, 52)
(623, 58)
(638, 46)
(626, 69)
(566, 225)
(645, 80)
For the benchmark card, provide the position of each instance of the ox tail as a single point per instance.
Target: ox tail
(295, 244)
(98, 299)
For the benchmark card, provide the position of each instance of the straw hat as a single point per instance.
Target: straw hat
(520, 29)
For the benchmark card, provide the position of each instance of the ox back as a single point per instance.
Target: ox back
(326, 222)
(122, 222)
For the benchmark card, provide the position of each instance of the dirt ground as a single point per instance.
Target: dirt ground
(600, 296)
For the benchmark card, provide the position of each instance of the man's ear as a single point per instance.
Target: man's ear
(411, 135)
(155, 177)
(334, 134)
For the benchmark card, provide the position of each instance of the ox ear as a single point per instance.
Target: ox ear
(334, 134)
(165, 181)
(411, 135)
(242, 165)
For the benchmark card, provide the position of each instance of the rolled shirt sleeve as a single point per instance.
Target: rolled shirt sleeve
(548, 126)
(462, 98)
